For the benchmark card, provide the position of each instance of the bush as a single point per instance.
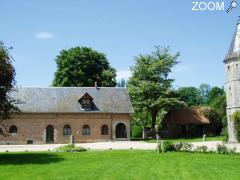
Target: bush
(186, 147)
(70, 148)
(178, 146)
(167, 146)
(201, 149)
(236, 119)
(183, 146)
(136, 131)
(222, 149)
(216, 124)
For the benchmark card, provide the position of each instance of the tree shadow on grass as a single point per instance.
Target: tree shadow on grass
(29, 158)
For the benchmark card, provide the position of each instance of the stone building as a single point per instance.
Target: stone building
(232, 86)
(51, 115)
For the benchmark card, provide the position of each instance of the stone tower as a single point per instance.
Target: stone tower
(232, 62)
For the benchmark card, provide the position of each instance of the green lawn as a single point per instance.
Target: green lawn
(215, 138)
(118, 165)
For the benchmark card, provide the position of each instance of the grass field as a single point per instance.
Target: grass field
(215, 138)
(118, 165)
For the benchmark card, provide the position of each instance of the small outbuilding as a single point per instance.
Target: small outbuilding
(184, 122)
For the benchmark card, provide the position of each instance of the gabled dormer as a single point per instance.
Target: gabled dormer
(86, 102)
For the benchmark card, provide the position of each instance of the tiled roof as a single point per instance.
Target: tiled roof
(65, 99)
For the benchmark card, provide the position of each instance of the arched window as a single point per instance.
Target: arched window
(86, 130)
(13, 129)
(67, 130)
(104, 130)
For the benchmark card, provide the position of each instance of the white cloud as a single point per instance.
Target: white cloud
(45, 35)
(123, 74)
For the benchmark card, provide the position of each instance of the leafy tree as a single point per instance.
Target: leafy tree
(150, 86)
(215, 93)
(190, 95)
(7, 82)
(83, 66)
(216, 122)
(220, 104)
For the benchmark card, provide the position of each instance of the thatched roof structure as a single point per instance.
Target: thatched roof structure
(185, 116)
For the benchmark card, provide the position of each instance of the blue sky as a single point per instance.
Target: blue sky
(38, 30)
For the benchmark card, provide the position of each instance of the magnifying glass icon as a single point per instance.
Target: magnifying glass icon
(234, 4)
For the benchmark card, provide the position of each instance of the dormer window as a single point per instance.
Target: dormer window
(86, 102)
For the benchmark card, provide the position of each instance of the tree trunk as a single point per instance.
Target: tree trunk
(154, 117)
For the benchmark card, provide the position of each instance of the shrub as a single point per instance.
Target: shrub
(186, 147)
(167, 146)
(236, 121)
(222, 149)
(183, 146)
(201, 149)
(178, 146)
(136, 131)
(70, 148)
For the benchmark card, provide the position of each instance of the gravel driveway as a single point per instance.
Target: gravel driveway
(120, 145)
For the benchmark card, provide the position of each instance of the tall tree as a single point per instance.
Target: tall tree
(214, 93)
(83, 66)
(7, 82)
(190, 95)
(150, 86)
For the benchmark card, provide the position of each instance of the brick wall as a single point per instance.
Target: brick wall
(33, 127)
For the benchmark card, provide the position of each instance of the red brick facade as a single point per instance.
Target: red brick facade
(32, 126)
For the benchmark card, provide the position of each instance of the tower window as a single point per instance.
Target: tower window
(228, 67)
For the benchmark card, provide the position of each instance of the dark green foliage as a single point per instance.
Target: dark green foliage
(202, 148)
(222, 149)
(191, 96)
(236, 121)
(167, 146)
(216, 124)
(215, 93)
(82, 67)
(150, 86)
(7, 82)
(183, 146)
(219, 104)
(136, 131)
